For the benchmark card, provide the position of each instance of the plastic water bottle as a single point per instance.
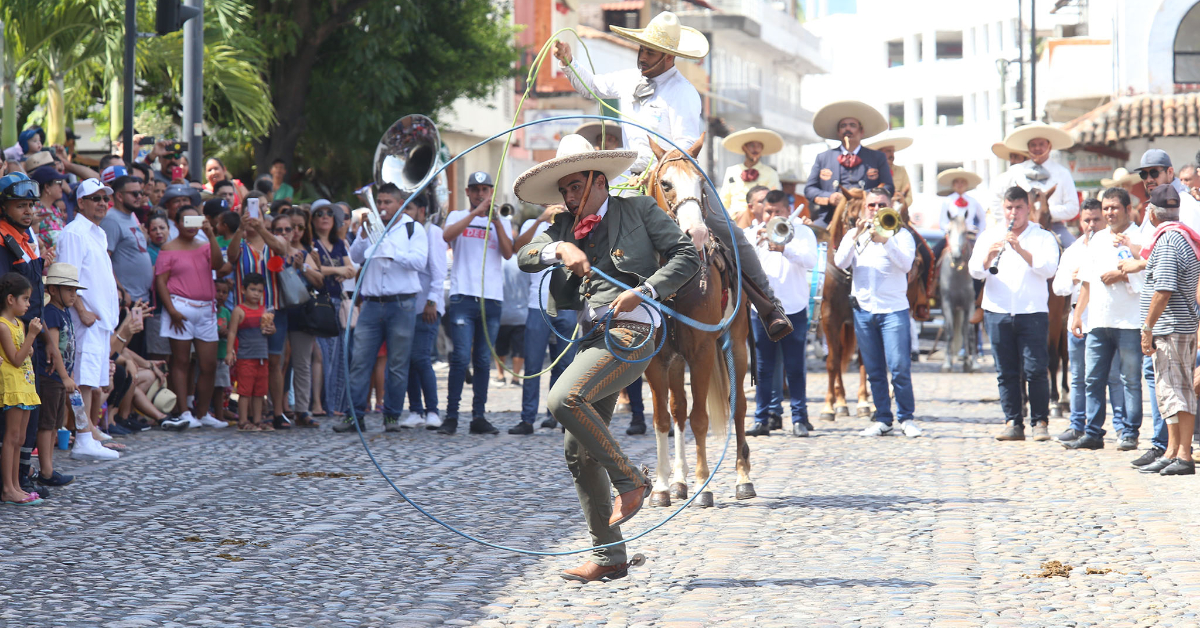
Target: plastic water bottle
(1123, 253)
(81, 420)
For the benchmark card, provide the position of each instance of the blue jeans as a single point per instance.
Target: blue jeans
(378, 324)
(537, 337)
(637, 407)
(465, 325)
(1160, 427)
(421, 379)
(1019, 344)
(1078, 361)
(1105, 346)
(792, 348)
(886, 345)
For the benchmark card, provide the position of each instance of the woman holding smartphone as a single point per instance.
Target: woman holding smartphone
(184, 271)
(301, 344)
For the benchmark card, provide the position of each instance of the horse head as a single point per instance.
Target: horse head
(846, 214)
(1039, 206)
(958, 245)
(678, 187)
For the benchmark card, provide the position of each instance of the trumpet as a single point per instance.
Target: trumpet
(885, 225)
(995, 267)
(779, 231)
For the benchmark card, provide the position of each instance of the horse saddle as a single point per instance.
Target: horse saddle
(921, 279)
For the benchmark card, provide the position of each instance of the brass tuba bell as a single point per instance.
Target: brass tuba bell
(408, 156)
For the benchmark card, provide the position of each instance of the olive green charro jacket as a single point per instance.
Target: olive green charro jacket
(627, 244)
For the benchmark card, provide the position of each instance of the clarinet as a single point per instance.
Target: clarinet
(995, 267)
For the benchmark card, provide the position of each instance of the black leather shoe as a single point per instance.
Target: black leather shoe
(799, 429)
(1157, 465)
(760, 429)
(1150, 455)
(636, 428)
(1127, 444)
(549, 423)
(449, 426)
(1069, 435)
(521, 428)
(480, 425)
(281, 422)
(347, 425)
(1178, 467)
(775, 422)
(1087, 441)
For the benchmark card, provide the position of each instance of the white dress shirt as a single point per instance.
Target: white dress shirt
(84, 244)
(674, 110)
(536, 300)
(973, 212)
(1115, 306)
(433, 275)
(880, 271)
(396, 263)
(1066, 280)
(1064, 203)
(787, 270)
(1017, 288)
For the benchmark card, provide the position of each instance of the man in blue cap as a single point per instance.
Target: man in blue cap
(1156, 169)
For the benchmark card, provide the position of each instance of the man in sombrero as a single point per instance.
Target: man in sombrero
(850, 164)
(629, 239)
(1039, 175)
(753, 144)
(890, 144)
(659, 97)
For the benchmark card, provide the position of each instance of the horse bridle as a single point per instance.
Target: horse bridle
(661, 198)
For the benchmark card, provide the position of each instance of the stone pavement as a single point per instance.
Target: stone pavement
(201, 529)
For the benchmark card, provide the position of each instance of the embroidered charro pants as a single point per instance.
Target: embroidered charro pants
(582, 400)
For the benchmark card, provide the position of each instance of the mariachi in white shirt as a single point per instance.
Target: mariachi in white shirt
(787, 270)
(396, 262)
(880, 270)
(1018, 288)
(1115, 306)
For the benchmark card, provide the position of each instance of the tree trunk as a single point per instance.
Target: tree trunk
(8, 124)
(56, 112)
(291, 91)
(116, 111)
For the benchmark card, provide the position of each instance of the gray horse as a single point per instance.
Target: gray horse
(958, 295)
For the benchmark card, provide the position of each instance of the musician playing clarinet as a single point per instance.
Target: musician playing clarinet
(1017, 259)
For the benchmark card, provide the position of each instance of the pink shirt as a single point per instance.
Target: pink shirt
(191, 273)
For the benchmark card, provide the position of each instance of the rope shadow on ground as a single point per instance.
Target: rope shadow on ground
(727, 583)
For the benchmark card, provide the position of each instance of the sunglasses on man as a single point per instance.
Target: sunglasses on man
(96, 198)
(876, 205)
(1151, 173)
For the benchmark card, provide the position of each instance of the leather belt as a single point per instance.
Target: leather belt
(391, 298)
(642, 328)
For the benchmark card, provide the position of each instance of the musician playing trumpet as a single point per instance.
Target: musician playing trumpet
(1015, 297)
(881, 261)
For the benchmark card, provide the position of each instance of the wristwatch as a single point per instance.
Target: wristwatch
(1146, 328)
(645, 289)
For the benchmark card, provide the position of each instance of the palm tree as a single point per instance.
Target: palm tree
(69, 37)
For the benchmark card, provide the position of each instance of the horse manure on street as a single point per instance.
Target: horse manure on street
(231, 558)
(1052, 568)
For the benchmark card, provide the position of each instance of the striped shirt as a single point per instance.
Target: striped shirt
(1172, 267)
(256, 262)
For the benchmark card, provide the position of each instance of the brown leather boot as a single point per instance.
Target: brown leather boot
(591, 572)
(774, 319)
(627, 504)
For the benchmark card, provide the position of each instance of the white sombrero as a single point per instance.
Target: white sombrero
(665, 34)
(945, 178)
(1004, 152)
(591, 131)
(897, 142)
(790, 176)
(1018, 140)
(771, 141)
(539, 184)
(1121, 177)
(826, 121)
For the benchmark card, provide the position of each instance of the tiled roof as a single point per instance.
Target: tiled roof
(1130, 117)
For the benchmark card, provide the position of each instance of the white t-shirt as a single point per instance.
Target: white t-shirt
(1117, 306)
(535, 279)
(466, 275)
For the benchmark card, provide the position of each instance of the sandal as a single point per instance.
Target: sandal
(248, 427)
(32, 500)
(265, 426)
(118, 447)
(304, 420)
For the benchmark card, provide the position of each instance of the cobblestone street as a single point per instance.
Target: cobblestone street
(214, 528)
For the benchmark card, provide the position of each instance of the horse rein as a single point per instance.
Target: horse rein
(660, 196)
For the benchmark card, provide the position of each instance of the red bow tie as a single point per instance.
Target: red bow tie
(961, 202)
(750, 174)
(849, 160)
(585, 226)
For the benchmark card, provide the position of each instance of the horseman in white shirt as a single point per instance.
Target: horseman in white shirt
(1042, 174)
(657, 96)
(957, 203)
(880, 306)
(1015, 310)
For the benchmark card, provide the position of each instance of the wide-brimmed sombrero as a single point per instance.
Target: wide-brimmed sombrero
(591, 132)
(539, 184)
(1004, 152)
(826, 121)
(772, 142)
(1018, 140)
(1121, 177)
(896, 142)
(790, 176)
(945, 178)
(665, 34)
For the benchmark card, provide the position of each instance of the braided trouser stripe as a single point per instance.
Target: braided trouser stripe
(579, 402)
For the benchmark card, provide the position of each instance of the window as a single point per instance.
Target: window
(920, 47)
(949, 45)
(981, 44)
(920, 108)
(895, 53)
(985, 109)
(1187, 48)
(949, 111)
(915, 175)
(896, 114)
(971, 103)
(623, 19)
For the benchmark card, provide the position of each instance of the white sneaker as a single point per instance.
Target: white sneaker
(86, 448)
(191, 420)
(177, 424)
(209, 420)
(910, 429)
(876, 429)
(432, 421)
(98, 434)
(413, 420)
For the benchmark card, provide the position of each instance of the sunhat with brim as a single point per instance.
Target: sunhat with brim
(591, 130)
(539, 184)
(1018, 140)
(945, 178)
(1004, 152)
(772, 142)
(665, 34)
(825, 123)
(38, 159)
(63, 274)
(896, 142)
(178, 190)
(790, 177)
(1121, 177)
(162, 398)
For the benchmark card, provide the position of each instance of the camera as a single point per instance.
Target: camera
(176, 147)
(146, 141)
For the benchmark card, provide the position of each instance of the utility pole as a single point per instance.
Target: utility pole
(1033, 115)
(130, 49)
(193, 90)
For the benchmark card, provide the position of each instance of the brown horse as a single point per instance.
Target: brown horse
(1059, 309)
(708, 297)
(837, 319)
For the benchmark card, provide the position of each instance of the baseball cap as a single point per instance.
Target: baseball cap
(88, 187)
(112, 173)
(318, 204)
(1155, 158)
(1165, 196)
(480, 178)
(215, 206)
(46, 174)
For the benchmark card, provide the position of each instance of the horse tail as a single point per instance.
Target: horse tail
(718, 395)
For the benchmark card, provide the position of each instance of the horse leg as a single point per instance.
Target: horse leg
(701, 362)
(679, 414)
(656, 376)
(965, 337)
(949, 316)
(1055, 409)
(741, 359)
(833, 373)
(848, 350)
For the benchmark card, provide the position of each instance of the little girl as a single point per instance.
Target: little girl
(17, 392)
